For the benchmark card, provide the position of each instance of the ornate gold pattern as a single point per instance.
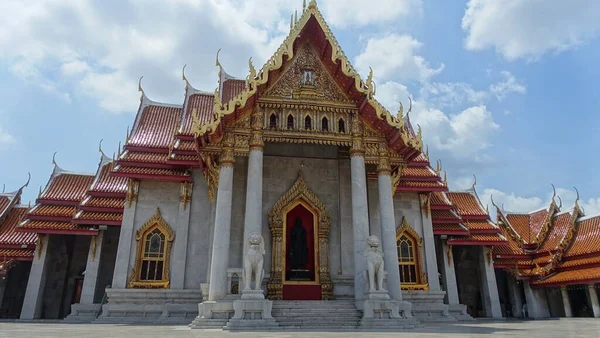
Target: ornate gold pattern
(422, 283)
(133, 187)
(226, 159)
(155, 222)
(292, 84)
(186, 193)
(211, 175)
(299, 192)
(384, 167)
(286, 52)
(425, 200)
(358, 148)
(396, 177)
(256, 138)
(39, 245)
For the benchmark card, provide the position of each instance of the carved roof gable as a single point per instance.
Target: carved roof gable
(307, 78)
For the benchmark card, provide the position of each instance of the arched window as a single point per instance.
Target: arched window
(341, 126)
(273, 121)
(307, 123)
(410, 245)
(325, 124)
(406, 260)
(290, 122)
(154, 241)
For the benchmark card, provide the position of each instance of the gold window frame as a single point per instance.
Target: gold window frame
(421, 276)
(156, 222)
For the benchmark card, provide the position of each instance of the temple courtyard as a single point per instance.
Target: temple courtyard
(580, 327)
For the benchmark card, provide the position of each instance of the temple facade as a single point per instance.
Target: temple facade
(297, 178)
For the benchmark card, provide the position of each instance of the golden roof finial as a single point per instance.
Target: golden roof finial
(218, 64)
(553, 192)
(409, 107)
(577, 199)
(40, 193)
(126, 137)
(312, 4)
(252, 74)
(400, 114)
(474, 181)
(445, 178)
(296, 17)
(427, 152)
(140, 89)
(28, 180)
(560, 202)
(291, 21)
(54, 158)
(303, 5)
(119, 150)
(3, 188)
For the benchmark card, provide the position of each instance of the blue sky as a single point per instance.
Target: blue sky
(504, 89)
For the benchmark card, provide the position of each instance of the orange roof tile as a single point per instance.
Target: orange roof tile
(536, 221)
(187, 158)
(512, 248)
(67, 187)
(419, 184)
(446, 215)
(8, 233)
(16, 253)
(107, 183)
(480, 225)
(560, 226)
(439, 198)
(155, 126)
(587, 239)
(520, 223)
(104, 202)
(580, 261)
(4, 203)
(484, 239)
(582, 276)
(53, 227)
(186, 145)
(143, 157)
(231, 88)
(466, 204)
(203, 105)
(449, 228)
(424, 172)
(53, 210)
(150, 171)
(99, 216)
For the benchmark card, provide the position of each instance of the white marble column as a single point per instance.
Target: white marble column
(217, 288)
(566, 302)
(594, 300)
(515, 297)
(388, 225)
(254, 185)
(449, 274)
(180, 245)
(429, 244)
(126, 239)
(360, 213)
(537, 304)
(92, 267)
(489, 288)
(32, 304)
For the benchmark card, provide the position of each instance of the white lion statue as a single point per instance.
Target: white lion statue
(253, 261)
(374, 264)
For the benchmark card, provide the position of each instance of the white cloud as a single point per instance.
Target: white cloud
(510, 201)
(452, 94)
(529, 28)
(395, 57)
(343, 13)
(508, 85)
(5, 137)
(101, 49)
(568, 197)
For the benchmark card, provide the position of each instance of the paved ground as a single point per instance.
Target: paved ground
(542, 328)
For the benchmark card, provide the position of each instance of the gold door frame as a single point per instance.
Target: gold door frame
(301, 202)
(299, 194)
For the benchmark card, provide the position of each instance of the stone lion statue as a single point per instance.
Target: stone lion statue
(375, 270)
(253, 261)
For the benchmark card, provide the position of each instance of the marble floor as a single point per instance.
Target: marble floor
(584, 327)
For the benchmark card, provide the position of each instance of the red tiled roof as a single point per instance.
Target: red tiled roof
(186, 145)
(6, 254)
(583, 276)
(151, 171)
(54, 227)
(143, 157)
(580, 261)
(587, 240)
(478, 239)
(419, 184)
(536, 221)
(4, 202)
(106, 183)
(520, 222)
(560, 226)
(104, 202)
(99, 216)
(156, 127)
(466, 204)
(438, 198)
(53, 210)
(203, 104)
(444, 215)
(8, 233)
(480, 225)
(424, 172)
(67, 187)
(449, 228)
(231, 88)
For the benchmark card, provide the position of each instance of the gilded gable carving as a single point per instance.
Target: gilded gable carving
(306, 78)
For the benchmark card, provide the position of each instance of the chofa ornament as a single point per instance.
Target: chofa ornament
(375, 265)
(253, 262)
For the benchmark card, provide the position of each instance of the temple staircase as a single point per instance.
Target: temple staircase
(316, 315)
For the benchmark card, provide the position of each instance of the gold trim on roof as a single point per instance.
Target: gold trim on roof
(286, 52)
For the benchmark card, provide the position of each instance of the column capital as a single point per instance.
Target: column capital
(358, 147)
(256, 136)
(384, 168)
(227, 156)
